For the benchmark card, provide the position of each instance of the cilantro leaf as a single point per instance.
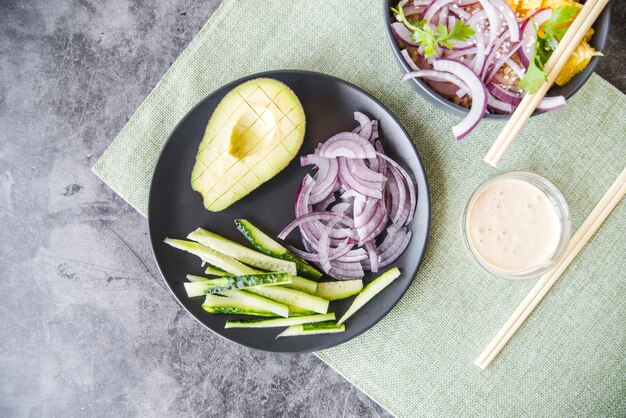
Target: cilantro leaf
(535, 75)
(561, 19)
(431, 39)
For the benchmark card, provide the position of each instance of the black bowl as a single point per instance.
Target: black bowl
(598, 41)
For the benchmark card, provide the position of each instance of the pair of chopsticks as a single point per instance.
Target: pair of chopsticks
(608, 202)
(589, 13)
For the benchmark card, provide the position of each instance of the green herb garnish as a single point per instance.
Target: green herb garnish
(554, 28)
(535, 75)
(431, 39)
(553, 31)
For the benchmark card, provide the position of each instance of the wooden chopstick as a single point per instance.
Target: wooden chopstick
(599, 214)
(585, 19)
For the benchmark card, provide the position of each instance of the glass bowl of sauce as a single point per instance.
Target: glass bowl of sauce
(516, 225)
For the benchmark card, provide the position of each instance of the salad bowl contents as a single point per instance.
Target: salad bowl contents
(480, 57)
(357, 214)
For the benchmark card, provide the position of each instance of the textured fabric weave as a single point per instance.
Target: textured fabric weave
(570, 356)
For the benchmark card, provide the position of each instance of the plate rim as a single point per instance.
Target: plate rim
(305, 73)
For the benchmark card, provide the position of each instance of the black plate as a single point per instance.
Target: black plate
(175, 209)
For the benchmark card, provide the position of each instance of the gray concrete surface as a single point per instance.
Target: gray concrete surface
(86, 326)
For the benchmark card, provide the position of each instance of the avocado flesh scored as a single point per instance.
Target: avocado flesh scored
(254, 132)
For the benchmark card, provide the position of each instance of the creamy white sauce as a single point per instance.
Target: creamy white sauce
(512, 226)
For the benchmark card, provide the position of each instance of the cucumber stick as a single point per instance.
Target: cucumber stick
(202, 287)
(265, 244)
(369, 291)
(280, 322)
(339, 290)
(303, 285)
(328, 327)
(220, 305)
(215, 258)
(241, 253)
(292, 297)
(297, 311)
(212, 271)
(257, 301)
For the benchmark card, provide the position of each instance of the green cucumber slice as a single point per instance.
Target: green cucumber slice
(328, 327)
(297, 311)
(212, 271)
(339, 290)
(369, 291)
(202, 287)
(292, 297)
(262, 242)
(215, 258)
(280, 322)
(258, 302)
(220, 305)
(241, 253)
(303, 285)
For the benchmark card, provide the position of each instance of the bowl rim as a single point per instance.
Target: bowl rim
(441, 102)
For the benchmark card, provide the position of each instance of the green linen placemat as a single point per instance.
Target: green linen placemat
(570, 356)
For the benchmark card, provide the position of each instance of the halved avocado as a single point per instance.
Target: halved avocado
(254, 132)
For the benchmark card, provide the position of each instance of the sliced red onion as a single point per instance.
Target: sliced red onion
(392, 253)
(551, 103)
(475, 20)
(349, 145)
(495, 52)
(363, 187)
(477, 91)
(363, 172)
(397, 193)
(509, 17)
(505, 95)
(481, 56)
(324, 245)
(392, 234)
(334, 253)
(328, 235)
(497, 105)
(324, 204)
(500, 62)
(353, 256)
(341, 207)
(313, 216)
(382, 164)
(462, 14)
(373, 256)
(325, 177)
(409, 183)
(365, 125)
(346, 271)
(376, 227)
(451, 22)
(365, 213)
(443, 15)
(437, 76)
(529, 38)
(542, 15)
(457, 53)
(402, 34)
(495, 20)
(412, 10)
